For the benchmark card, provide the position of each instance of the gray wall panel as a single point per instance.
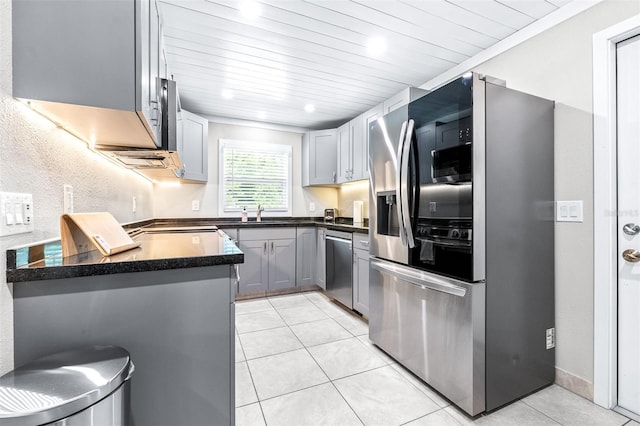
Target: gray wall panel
(176, 325)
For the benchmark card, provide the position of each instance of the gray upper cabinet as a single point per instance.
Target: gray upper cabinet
(367, 119)
(305, 256)
(351, 151)
(319, 162)
(359, 160)
(344, 153)
(193, 143)
(91, 66)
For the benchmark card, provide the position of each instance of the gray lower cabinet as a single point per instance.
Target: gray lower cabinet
(361, 273)
(321, 258)
(254, 272)
(269, 262)
(282, 265)
(305, 256)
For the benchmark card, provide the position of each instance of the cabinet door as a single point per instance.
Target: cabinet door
(321, 258)
(344, 153)
(361, 281)
(368, 118)
(154, 68)
(305, 256)
(359, 158)
(193, 148)
(254, 272)
(322, 157)
(282, 264)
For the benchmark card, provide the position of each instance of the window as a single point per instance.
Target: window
(253, 174)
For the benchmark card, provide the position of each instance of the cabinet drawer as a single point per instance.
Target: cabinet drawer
(361, 241)
(266, 234)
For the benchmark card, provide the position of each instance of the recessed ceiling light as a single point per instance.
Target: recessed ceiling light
(227, 94)
(309, 108)
(376, 46)
(250, 9)
(262, 115)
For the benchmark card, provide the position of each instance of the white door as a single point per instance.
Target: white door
(628, 95)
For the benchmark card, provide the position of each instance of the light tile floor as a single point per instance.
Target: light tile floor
(301, 360)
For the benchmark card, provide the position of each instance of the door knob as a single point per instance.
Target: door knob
(631, 229)
(631, 255)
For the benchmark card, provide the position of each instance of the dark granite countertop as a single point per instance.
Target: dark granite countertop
(341, 224)
(165, 244)
(158, 250)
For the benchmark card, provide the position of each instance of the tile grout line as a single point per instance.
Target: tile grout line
(541, 412)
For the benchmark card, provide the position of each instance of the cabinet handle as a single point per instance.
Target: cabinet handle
(334, 177)
(271, 247)
(264, 247)
(237, 276)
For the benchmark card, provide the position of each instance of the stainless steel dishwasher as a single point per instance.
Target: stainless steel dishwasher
(340, 267)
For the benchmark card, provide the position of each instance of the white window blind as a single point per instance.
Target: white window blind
(255, 174)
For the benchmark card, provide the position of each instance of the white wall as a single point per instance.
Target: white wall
(38, 158)
(175, 201)
(557, 65)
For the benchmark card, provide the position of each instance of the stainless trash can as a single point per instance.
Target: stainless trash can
(85, 386)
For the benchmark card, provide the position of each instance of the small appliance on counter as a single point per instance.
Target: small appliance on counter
(330, 215)
(358, 212)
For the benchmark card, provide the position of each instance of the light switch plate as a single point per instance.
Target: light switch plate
(17, 213)
(569, 211)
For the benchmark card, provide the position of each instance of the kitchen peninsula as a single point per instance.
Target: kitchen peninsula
(168, 302)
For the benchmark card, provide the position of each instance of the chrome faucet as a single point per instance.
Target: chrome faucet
(259, 213)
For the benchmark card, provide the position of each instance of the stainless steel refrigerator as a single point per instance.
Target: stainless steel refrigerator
(462, 241)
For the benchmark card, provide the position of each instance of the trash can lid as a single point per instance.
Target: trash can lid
(59, 385)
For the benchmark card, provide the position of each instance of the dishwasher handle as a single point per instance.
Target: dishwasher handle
(418, 278)
(338, 239)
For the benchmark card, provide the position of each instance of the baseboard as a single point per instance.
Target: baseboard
(574, 383)
(292, 290)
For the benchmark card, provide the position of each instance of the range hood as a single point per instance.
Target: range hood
(150, 162)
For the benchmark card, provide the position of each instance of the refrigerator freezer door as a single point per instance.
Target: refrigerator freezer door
(385, 221)
(434, 326)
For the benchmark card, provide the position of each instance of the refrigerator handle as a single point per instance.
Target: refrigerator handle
(415, 277)
(399, 203)
(404, 183)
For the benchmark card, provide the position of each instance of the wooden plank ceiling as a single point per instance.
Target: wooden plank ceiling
(315, 52)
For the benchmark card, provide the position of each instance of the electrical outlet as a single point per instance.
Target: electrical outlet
(312, 207)
(67, 202)
(551, 338)
(134, 205)
(195, 205)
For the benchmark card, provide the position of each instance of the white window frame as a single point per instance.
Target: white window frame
(255, 146)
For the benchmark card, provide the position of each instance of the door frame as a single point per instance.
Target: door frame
(605, 264)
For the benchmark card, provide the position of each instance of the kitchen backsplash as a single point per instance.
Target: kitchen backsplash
(350, 192)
